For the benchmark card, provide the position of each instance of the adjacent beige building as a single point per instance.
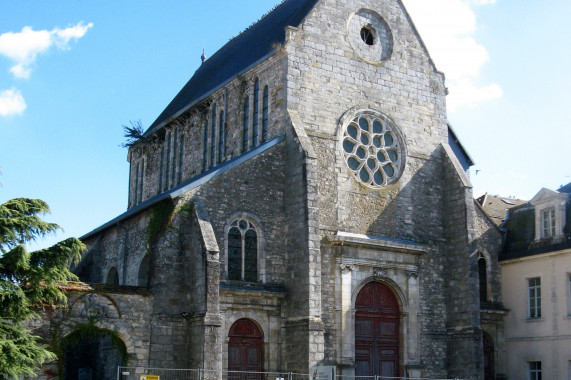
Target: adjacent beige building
(536, 284)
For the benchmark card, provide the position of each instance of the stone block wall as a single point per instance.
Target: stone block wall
(186, 132)
(465, 353)
(327, 80)
(125, 310)
(300, 194)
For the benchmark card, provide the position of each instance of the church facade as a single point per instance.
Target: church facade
(303, 201)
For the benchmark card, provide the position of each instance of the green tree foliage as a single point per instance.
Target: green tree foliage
(134, 133)
(29, 282)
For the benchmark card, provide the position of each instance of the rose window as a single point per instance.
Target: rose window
(373, 149)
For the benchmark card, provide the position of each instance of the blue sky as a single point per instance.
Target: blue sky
(73, 72)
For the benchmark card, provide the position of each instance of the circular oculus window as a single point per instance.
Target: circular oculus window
(370, 36)
(373, 148)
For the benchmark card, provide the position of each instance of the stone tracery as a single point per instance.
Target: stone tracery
(373, 149)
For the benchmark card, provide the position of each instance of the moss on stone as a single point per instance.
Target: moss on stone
(161, 218)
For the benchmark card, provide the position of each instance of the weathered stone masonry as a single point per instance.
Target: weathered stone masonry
(354, 184)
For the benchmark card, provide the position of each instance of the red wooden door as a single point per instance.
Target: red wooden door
(376, 331)
(245, 347)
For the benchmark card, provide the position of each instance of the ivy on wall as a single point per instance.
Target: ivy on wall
(160, 219)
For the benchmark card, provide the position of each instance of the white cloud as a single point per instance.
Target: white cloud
(483, 2)
(448, 27)
(464, 92)
(23, 47)
(11, 102)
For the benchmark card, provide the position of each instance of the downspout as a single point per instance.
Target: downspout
(503, 229)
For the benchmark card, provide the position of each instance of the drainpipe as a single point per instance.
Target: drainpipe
(503, 229)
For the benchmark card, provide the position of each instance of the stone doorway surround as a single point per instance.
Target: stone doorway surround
(361, 259)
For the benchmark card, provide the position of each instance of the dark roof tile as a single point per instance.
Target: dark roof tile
(236, 56)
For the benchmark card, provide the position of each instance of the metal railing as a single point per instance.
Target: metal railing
(141, 373)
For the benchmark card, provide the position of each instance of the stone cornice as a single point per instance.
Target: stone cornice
(377, 242)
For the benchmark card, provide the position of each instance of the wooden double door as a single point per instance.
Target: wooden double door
(377, 343)
(245, 347)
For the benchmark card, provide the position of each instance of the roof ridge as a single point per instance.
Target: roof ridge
(239, 54)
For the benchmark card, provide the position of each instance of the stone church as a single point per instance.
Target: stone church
(303, 201)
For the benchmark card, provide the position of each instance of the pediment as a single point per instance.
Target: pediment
(545, 195)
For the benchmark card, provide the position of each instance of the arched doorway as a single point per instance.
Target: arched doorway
(245, 347)
(376, 331)
(91, 359)
(489, 362)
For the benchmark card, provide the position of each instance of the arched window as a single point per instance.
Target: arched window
(112, 277)
(180, 158)
(255, 115)
(168, 160)
(143, 277)
(162, 162)
(246, 124)
(141, 177)
(265, 115)
(483, 279)
(173, 165)
(242, 251)
(137, 183)
(221, 135)
(213, 138)
(205, 148)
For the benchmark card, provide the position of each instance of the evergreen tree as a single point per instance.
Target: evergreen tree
(29, 282)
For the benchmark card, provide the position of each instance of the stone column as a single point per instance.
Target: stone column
(347, 341)
(412, 360)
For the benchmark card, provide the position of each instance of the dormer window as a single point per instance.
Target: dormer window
(548, 223)
(550, 215)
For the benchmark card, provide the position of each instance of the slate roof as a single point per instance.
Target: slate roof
(565, 189)
(458, 149)
(496, 206)
(241, 53)
(520, 228)
(520, 239)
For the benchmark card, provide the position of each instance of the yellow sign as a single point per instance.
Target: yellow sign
(149, 377)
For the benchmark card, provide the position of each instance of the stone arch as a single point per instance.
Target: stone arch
(143, 274)
(112, 277)
(95, 304)
(94, 358)
(399, 293)
(256, 222)
(260, 319)
(482, 253)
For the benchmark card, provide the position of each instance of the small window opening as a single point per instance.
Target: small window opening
(368, 35)
(483, 279)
